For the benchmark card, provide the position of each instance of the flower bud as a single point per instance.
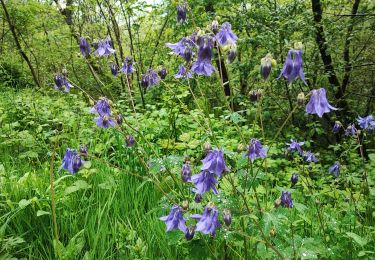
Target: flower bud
(255, 95)
(294, 178)
(215, 26)
(265, 66)
(241, 148)
(162, 73)
(198, 198)
(189, 235)
(207, 148)
(301, 99)
(231, 54)
(119, 119)
(227, 217)
(64, 72)
(277, 203)
(186, 172)
(114, 69)
(129, 140)
(83, 149)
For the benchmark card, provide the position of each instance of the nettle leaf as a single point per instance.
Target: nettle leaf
(358, 239)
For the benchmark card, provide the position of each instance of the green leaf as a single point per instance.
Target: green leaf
(359, 240)
(42, 212)
(24, 203)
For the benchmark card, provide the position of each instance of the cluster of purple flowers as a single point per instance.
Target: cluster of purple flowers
(60, 82)
(366, 123)
(151, 78)
(207, 223)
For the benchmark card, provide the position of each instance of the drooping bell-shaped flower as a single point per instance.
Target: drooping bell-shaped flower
(214, 162)
(119, 119)
(183, 73)
(104, 48)
(336, 127)
(318, 103)
(60, 82)
(105, 122)
(294, 178)
(197, 198)
(186, 172)
(286, 200)
(114, 69)
(182, 48)
(255, 150)
(162, 73)
(71, 162)
(204, 181)
(208, 222)
(266, 66)
(335, 169)
(366, 122)
(351, 130)
(203, 64)
(84, 46)
(293, 66)
(102, 107)
(309, 156)
(175, 219)
(225, 36)
(181, 12)
(127, 66)
(295, 146)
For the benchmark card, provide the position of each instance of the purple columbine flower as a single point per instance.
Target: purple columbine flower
(183, 73)
(151, 78)
(197, 198)
(182, 48)
(293, 67)
(366, 122)
(318, 103)
(181, 12)
(255, 94)
(129, 140)
(214, 162)
(295, 146)
(286, 200)
(102, 107)
(266, 66)
(186, 172)
(114, 69)
(84, 46)
(71, 161)
(127, 66)
(203, 64)
(204, 181)
(255, 150)
(336, 127)
(104, 48)
(294, 178)
(335, 169)
(162, 73)
(105, 122)
(60, 82)
(208, 222)
(309, 156)
(175, 219)
(351, 130)
(226, 36)
(119, 119)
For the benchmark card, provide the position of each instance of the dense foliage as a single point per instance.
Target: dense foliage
(191, 129)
